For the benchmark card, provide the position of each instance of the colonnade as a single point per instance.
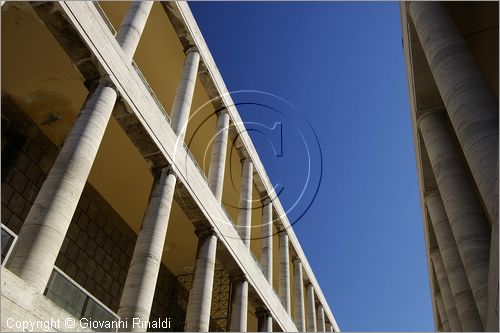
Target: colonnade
(461, 140)
(41, 236)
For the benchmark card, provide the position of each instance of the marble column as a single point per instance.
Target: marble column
(311, 309)
(321, 319)
(462, 294)
(200, 296)
(245, 209)
(140, 285)
(284, 286)
(239, 304)
(218, 156)
(298, 293)
(44, 230)
(442, 312)
(465, 213)
(184, 95)
(131, 29)
(470, 101)
(264, 321)
(266, 257)
(42, 234)
(449, 302)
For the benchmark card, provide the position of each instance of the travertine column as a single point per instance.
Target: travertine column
(469, 99)
(130, 31)
(299, 313)
(449, 302)
(140, 285)
(43, 232)
(442, 312)
(321, 319)
(184, 94)
(464, 300)
(218, 156)
(464, 211)
(245, 211)
(264, 321)
(284, 287)
(239, 304)
(311, 309)
(266, 256)
(200, 296)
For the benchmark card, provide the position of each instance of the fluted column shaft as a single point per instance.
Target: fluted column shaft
(264, 321)
(299, 313)
(140, 285)
(267, 240)
(284, 287)
(239, 305)
(321, 319)
(465, 213)
(184, 95)
(442, 312)
(471, 104)
(218, 156)
(200, 296)
(444, 286)
(311, 309)
(131, 29)
(245, 211)
(462, 294)
(42, 234)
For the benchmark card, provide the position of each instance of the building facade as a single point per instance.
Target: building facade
(114, 207)
(451, 53)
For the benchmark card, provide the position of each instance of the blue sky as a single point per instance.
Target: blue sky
(341, 66)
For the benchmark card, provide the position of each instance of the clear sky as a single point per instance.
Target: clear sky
(341, 67)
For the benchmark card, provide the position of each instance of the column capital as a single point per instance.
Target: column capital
(245, 158)
(191, 49)
(239, 278)
(434, 252)
(431, 194)
(158, 170)
(296, 260)
(221, 111)
(424, 113)
(261, 312)
(266, 200)
(104, 79)
(205, 232)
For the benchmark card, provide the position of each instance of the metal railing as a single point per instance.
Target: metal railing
(8, 240)
(256, 261)
(141, 76)
(152, 93)
(105, 18)
(196, 164)
(73, 298)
